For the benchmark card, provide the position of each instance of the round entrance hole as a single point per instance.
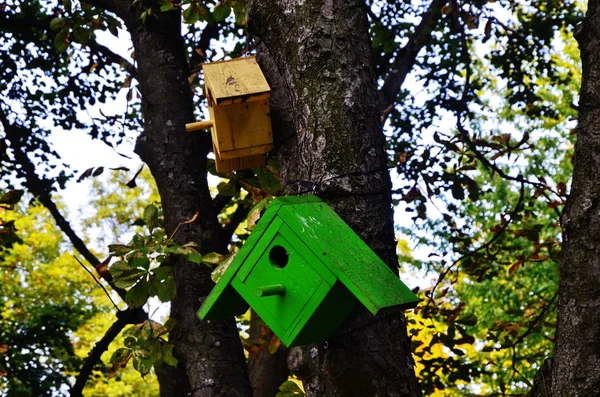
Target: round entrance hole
(278, 256)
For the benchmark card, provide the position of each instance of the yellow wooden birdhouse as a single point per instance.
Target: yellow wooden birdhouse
(238, 102)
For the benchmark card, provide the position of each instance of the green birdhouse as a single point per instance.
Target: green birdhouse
(302, 270)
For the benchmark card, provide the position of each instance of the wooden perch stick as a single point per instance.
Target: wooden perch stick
(198, 125)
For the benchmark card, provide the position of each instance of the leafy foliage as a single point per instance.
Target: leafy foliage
(480, 138)
(46, 297)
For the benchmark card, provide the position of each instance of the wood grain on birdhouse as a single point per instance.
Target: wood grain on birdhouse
(237, 94)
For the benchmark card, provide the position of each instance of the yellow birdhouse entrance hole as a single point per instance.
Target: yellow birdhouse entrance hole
(238, 102)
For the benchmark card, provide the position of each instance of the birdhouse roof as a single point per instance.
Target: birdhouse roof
(332, 241)
(235, 81)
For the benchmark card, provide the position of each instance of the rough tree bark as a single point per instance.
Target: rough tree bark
(576, 363)
(267, 371)
(326, 115)
(210, 352)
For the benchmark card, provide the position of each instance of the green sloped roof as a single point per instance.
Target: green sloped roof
(331, 240)
(346, 255)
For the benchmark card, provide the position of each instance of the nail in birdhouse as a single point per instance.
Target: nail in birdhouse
(302, 270)
(237, 94)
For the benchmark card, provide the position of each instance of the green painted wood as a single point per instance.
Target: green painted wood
(223, 302)
(303, 270)
(213, 308)
(299, 278)
(328, 316)
(346, 255)
(270, 290)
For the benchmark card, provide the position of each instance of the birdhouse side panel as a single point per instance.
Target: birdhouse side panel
(334, 307)
(221, 292)
(348, 257)
(222, 304)
(242, 129)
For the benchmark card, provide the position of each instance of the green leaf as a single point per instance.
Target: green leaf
(240, 13)
(166, 6)
(57, 24)
(140, 261)
(134, 331)
(221, 269)
(123, 275)
(193, 256)
(119, 359)
(268, 182)
(61, 40)
(151, 216)
(227, 188)
(214, 258)
(221, 12)
(119, 249)
(11, 197)
(142, 364)
(82, 36)
(164, 283)
(167, 355)
(137, 295)
(120, 354)
(467, 320)
(170, 323)
(152, 329)
(156, 353)
(192, 14)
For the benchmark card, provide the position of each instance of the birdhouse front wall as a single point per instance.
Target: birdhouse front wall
(241, 129)
(283, 259)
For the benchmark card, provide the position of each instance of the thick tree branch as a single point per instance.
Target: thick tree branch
(406, 57)
(130, 316)
(112, 57)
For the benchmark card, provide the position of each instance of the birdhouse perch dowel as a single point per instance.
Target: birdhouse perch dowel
(270, 290)
(199, 125)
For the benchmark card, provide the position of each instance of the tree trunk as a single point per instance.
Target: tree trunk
(325, 111)
(209, 351)
(267, 370)
(576, 368)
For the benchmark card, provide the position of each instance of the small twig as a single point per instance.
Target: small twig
(129, 316)
(482, 247)
(191, 220)
(97, 282)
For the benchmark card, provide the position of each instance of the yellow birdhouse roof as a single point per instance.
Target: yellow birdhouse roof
(235, 81)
